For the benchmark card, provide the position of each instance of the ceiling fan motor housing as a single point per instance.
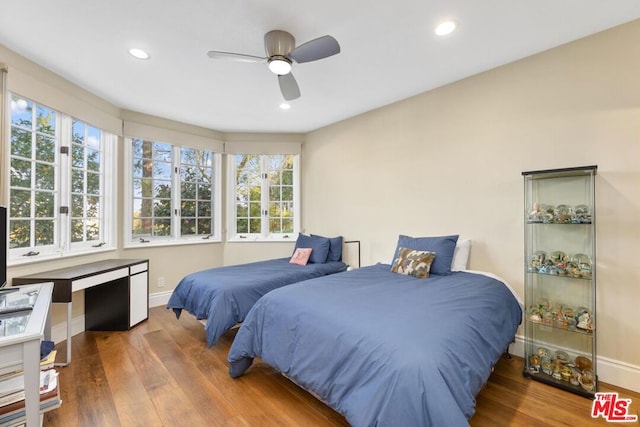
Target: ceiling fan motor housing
(278, 43)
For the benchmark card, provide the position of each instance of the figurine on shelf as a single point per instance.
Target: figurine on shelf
(534, 363)
(557, 366)
(573, 270)
(575, 375)
(534, 314)
(587, 380)
(536, 261)
(583, 214)
(583, 264)
(535, 214)
(584, 321)
(565, 373)
(547, 216)
(563, 214)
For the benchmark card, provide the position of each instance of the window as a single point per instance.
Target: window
(264, 199)
(58, 185)
(174, 193)
(87, 179)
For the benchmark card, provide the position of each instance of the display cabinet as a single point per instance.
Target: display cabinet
(560, 278)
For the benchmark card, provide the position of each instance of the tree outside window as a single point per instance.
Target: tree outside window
(265, 201)
(47, 212)
(173, 191)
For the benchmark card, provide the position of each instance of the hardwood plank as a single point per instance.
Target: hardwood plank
(93, 394)
(208, 400)
(172, 405)
(211, 363)
(133, 404)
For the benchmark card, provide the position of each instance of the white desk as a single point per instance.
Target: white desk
(20, 346)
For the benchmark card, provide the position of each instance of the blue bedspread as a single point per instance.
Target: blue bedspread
(384, 349)
(224, 295)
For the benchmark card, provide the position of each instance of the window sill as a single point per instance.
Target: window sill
(262, 240)
(161, 243)
(16, 262)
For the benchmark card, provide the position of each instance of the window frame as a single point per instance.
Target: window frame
(62, 246)
(265, 235)
(175, 238)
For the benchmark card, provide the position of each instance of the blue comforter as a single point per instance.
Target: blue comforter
(224, 295)
(381, 348)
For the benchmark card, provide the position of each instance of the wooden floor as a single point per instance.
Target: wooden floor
(161, 373)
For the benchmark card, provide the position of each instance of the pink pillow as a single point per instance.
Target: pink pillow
(301, 256)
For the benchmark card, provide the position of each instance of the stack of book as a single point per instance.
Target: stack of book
(12, 403)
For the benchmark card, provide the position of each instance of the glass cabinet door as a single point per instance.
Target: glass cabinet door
(560, 278)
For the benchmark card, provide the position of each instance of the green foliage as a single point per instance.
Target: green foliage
(152, 189)
(250, 170)
(33, 177)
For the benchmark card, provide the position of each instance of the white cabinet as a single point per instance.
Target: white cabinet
(138, 294)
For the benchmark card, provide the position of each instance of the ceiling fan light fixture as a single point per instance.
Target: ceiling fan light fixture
(280, 66)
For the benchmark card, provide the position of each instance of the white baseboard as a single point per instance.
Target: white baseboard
(619, 373)
(611, 371)
(59, 331)
(159, 298)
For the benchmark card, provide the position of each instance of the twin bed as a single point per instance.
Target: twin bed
(382, 345)
(223, 296)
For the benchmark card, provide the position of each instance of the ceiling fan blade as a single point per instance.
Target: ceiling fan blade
(240, 57)
(289, 87)
(315, 49)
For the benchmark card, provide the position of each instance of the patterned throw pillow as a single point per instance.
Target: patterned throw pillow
(301, 256)
(413, 263)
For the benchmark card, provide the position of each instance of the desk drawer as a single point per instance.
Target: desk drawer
(98, 279)
(139, 268)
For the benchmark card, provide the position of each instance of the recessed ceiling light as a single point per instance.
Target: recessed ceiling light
(285, 106)
(139, 53)
(446, 27)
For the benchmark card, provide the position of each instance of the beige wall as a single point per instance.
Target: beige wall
(450, 161)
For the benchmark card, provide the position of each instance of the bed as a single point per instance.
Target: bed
(384, 348)
(221, 297)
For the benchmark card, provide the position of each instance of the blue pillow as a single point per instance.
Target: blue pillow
(443, 246)
(319, 245)
(335, 248)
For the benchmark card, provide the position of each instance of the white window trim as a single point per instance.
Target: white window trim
(128, 243)
(233, 236)
(62, 237)
(109, 189)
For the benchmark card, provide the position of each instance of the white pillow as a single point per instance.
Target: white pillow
(461, 255)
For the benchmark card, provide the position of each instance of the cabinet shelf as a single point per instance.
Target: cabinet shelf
(565, 385)
(561, 328)
(569, 276)
(559, 278)
(557, 223)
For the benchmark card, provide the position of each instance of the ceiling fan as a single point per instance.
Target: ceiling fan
(281, 50)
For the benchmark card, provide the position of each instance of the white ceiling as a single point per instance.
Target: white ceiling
(389, 51)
